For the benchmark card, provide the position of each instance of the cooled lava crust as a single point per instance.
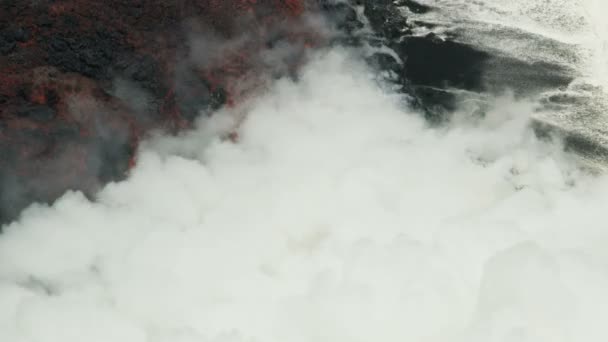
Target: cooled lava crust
(81, 82)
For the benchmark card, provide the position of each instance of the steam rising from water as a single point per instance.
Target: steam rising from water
(596, 10)
(571, 33)
(338, 216)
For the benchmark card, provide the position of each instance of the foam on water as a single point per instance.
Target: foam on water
(337, 217)
(570, 35)
(596, 13)
(579, 26)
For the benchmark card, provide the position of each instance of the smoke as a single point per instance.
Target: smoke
(261, 50)
(337, 215)
(45, 159)
(598, 65)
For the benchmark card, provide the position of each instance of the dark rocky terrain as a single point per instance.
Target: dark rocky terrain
(81, 82)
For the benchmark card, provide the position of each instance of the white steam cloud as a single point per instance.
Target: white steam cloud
(338, 216)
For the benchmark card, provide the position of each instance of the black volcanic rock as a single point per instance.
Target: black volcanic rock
(386, 19)
(342, 15)
(415, 7)
(81, 82)
(38, 113)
